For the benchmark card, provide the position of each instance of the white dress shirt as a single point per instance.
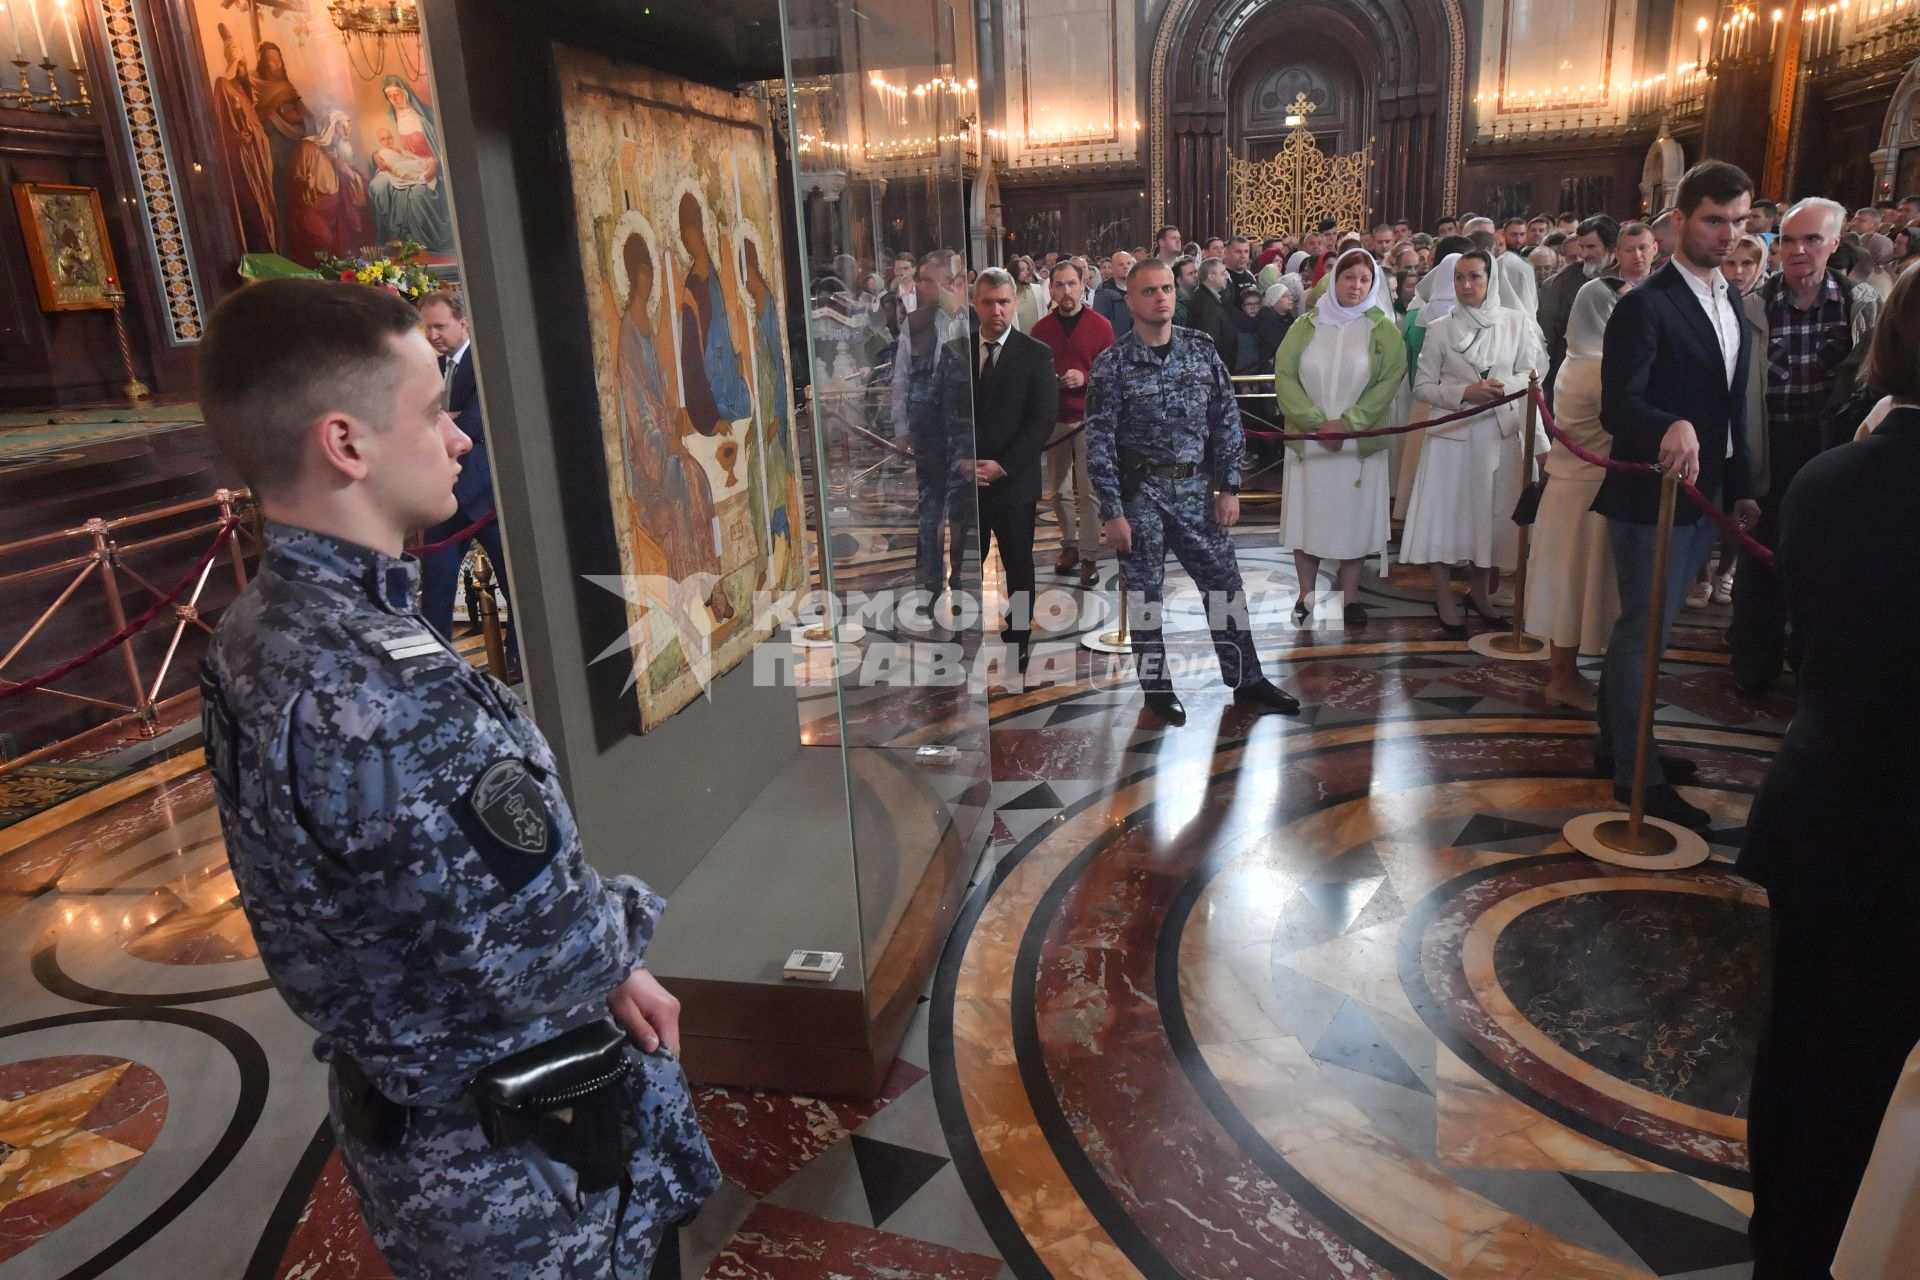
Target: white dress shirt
(453, 362)
(1712, 294)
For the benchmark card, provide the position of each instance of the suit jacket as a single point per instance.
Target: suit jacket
(1834, 822)
(1014, 410)
(1662, 364)
(1208, 314)
(474, 488)
(1556, 308)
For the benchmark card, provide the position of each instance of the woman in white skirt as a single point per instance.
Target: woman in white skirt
(1572, 599)
(1338, 370)
(1469, 481)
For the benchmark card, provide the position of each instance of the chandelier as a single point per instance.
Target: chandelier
(368, 27)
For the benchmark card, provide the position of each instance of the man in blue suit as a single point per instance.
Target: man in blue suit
(444, 315)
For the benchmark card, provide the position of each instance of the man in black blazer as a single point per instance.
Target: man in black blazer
(1015, 399)
(1673, 391)
(444, 316)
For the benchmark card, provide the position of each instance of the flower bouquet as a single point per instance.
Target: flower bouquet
(395, 266)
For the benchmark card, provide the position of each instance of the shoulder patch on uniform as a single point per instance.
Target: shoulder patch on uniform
(508, 804)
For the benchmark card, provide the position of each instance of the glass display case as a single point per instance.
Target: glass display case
(744, 563)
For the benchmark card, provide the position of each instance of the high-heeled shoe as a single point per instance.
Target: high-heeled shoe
(1473, 606)
(1302, 612)
(1451, 630)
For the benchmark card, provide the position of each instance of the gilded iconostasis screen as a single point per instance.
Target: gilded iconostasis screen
(677, 206)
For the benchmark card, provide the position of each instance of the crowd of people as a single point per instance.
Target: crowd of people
(1733, 341)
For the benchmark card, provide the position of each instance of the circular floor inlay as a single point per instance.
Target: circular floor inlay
(70, 1128)
(1661, 990)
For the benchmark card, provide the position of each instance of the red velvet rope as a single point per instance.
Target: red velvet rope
(127, 632)
(428, 548)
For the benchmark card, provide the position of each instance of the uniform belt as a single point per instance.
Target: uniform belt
(1175, 470)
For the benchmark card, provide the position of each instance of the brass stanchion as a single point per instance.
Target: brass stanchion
(490, 618)
(137, 392)
(1516, 643)
(105, 555)
(1637, 840)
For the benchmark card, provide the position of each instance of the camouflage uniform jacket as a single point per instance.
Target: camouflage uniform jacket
(1173, 408)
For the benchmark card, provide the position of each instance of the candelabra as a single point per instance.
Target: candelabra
(26, 99)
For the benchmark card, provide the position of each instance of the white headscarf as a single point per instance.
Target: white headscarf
(1471, 323)
(1328, 310)
(1587, 324)
(1440, 297)
(1297, 260)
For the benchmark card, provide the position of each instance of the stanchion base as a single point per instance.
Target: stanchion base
(1499, 644)
(821, 637)
(1106, 642)
(1665, 846)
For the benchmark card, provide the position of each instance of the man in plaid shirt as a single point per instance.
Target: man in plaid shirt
(1815, 328)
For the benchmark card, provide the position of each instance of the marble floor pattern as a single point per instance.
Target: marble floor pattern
(1324, 996)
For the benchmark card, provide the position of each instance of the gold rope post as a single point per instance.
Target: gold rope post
(489, 611)
(1634, 836)
(1120, 641)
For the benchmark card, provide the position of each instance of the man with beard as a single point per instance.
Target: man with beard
(1592, 255)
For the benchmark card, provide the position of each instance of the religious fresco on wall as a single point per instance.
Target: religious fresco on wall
(327, 154)
(677, 207)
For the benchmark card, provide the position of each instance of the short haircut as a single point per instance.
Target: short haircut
(1482, 240)
(1144, 265)
(1065, 264)
(1516, 221)
(995, 278)
(1233, 240)
(452, 299)
(1421, 240)
(1208, 264)
(1835, 211)
(332, 351)
(1446, 246)
(1891, 368)
(938, 258)
(1476, 221)
(1161, 234)
(1567, 215)
(1540, 218)
(1328, 224)
(1554, 239)
(1633, 229)
(1714, 180)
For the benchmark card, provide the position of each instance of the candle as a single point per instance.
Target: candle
(15, 28)
(66, 16)
(33, 11)
(1773, 41)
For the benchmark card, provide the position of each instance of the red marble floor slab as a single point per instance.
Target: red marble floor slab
(785, 1244)
(43, 862)
(1349, 688)
(1162, 1156)
(761, 1138)
(1712, 694)
(331, 1241)
(1072, 751)
(1521, 683)
(131, 1114)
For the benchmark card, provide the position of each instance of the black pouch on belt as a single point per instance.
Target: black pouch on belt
(369, 1115)
(1133, 472)
(568, 1097)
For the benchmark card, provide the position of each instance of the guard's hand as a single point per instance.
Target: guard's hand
(987, 471)
(1226, 509)
(965, 467)
(1073, 379)
(1120, 536)
(1746, 513)
(646, 1012)
(1680, 452)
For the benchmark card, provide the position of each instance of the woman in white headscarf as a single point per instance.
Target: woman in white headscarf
(1434, 299)
(1572, 599)
(1338, 370)
(1470, 475)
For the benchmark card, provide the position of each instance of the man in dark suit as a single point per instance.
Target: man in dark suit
(1015, 400)
(1673, 391)
(444, 315)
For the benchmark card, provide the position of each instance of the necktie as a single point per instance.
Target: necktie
(444, 361)
(993, 353)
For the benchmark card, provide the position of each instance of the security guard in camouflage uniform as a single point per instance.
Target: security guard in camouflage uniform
(402, 847)
(1163, 433)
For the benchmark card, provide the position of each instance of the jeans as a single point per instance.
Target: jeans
(1620, 677)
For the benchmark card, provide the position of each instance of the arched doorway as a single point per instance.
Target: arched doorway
(1408, 63)
(1265, 84)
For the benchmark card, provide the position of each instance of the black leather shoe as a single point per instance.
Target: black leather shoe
(1264, 695)
(1473, 606)
(1356, 615)
(1664, 802)
(1302, 613)
(1451, 630)
(1676, 768)
(1168, 708)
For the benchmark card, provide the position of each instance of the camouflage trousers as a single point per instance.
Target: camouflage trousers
(444, 1205)
(1177, 516)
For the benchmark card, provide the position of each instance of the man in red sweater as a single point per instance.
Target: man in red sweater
(1076, 334)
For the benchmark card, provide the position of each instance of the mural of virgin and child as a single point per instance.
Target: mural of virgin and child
(409, 199)
(670, 490)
